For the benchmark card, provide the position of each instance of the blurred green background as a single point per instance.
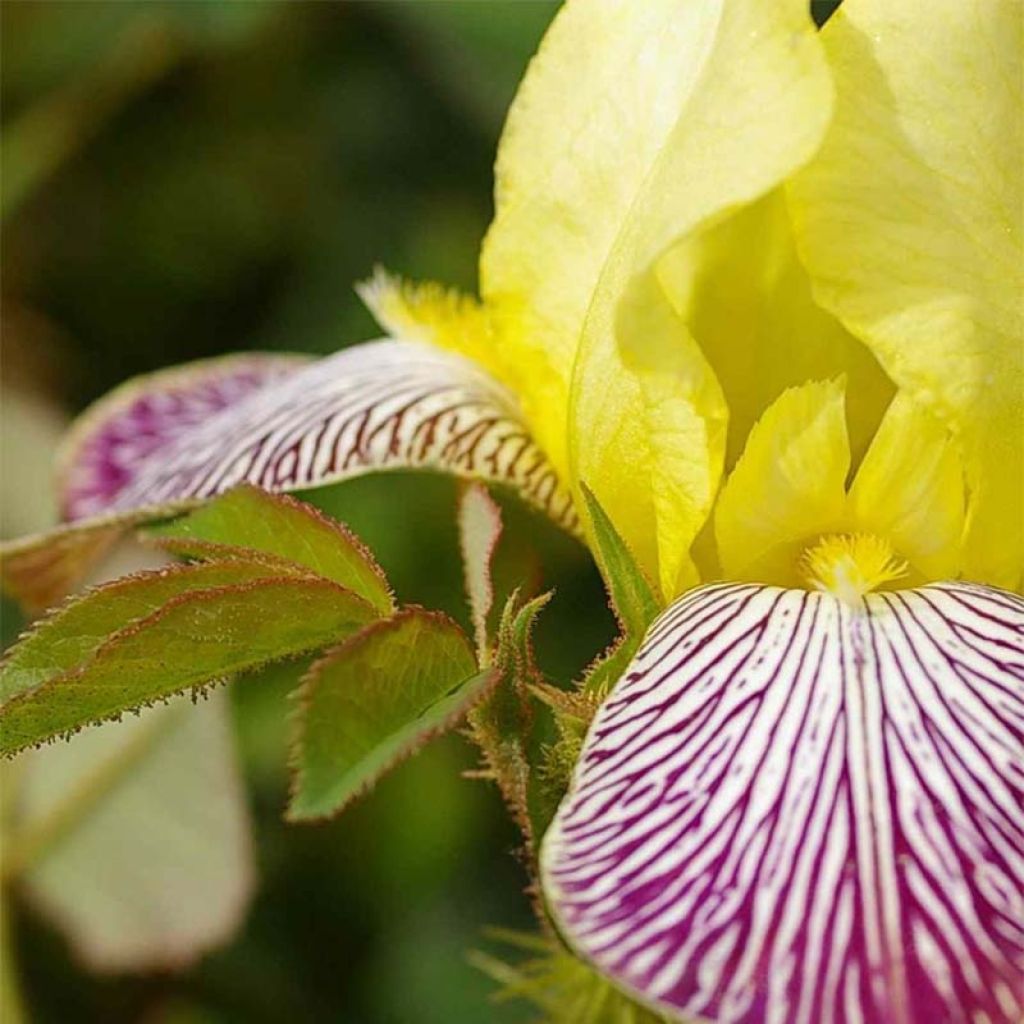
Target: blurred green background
(186, 179)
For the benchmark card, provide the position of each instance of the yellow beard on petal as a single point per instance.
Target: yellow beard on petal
(850, 565)
(436, 315)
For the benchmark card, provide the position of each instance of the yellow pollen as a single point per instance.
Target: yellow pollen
(849, 565)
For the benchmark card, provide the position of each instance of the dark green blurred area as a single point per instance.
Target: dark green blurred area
(187, 179)
(232, 168)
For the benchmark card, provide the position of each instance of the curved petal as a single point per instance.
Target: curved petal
(792, 809)
(634, 124)
(747, 299)
(911, 219)
(380, 405)
(377, 406)
(910, 489)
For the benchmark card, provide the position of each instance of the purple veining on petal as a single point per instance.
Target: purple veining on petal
(790, 810)
(118, 435)
(380, 405)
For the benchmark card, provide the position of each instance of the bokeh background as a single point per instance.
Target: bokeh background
(185, 179)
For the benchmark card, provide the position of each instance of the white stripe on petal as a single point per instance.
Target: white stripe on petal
(796, 811)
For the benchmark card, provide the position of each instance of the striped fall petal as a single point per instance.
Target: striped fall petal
(381, 405)
(161, 443)
(794, 808)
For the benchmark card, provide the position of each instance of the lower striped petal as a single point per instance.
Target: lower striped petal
(793, 810)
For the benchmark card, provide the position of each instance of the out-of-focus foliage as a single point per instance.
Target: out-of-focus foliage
(187, 179)
(559, 984)
(136, 836)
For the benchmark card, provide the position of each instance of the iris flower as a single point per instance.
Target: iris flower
(759, 288)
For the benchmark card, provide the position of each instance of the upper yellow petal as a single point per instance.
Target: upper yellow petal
(683, 416)
(746, 298)
(788, 486)
(589, 121)
(636, 124)
(910, 222)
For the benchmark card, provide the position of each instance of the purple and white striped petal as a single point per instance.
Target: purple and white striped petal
(797, 811)
(380, 405)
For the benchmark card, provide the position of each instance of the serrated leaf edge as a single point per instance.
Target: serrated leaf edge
(333, 525)
(302, 696)
(137, 626)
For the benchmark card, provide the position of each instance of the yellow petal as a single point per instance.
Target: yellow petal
(747, 300)
(636, 123)
(684, 422)
(910, 490)
(910, 221)
(589, 121)
(788, 485)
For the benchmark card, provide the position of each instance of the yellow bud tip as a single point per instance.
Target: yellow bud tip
(850, 565)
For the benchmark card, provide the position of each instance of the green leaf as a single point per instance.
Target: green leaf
(195, 638)
(71, 634)
(134, 838)
(274, 524)
(375, 700)
(632, 595)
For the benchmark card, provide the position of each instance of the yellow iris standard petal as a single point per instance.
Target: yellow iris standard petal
(636, 123)
(747, 300)
(910, 489)
(910, 222)
(591, 118)
(788, 485)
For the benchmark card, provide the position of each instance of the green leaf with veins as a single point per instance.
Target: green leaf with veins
(72, 633)
(375, 700)
(276, 525)
(194, 638)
